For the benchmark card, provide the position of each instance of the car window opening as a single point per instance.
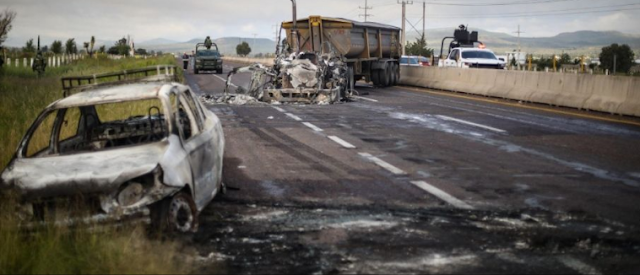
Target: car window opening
(99, 127)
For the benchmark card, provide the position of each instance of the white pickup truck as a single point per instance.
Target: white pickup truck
(472, 58)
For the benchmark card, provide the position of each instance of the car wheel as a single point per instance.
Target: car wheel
(177, 214)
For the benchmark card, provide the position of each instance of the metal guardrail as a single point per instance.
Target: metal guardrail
(156, 73)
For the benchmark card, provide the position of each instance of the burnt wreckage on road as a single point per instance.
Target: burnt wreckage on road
(135, 150)
(321, 59)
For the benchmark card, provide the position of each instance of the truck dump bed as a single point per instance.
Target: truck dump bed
(354, 40)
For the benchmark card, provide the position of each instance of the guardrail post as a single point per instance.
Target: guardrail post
(31, 63)
(606, 72)
(25, 62)
(546, 69)
(8, 62)
(158, 69)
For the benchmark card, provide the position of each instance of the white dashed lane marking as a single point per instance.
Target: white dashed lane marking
(313, 127)
(394, 170)
(296, 118)
(342, 142)
(472, 124)
(279, 109)
(442, 195)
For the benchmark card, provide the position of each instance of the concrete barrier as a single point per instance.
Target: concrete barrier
(615, 95)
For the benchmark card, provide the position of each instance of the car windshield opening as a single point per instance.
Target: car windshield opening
(208, 53)
(112, 125)
(413, 61)
(478, 54)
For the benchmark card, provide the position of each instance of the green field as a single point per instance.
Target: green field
(59, 250)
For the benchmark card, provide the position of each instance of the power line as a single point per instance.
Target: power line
(531, 2)
(531, 14)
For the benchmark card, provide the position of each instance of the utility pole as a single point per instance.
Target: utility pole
(404, 23)
(615, 65)
(519, 44)
(424, 17)
(366, 9)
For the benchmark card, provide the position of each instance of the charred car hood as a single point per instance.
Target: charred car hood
(92, 172)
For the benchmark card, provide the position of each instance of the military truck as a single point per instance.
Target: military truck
(207, 57)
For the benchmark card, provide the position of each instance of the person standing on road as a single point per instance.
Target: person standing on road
(185, 61)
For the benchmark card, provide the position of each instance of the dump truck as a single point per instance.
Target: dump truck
(372, 50)
(319, 62)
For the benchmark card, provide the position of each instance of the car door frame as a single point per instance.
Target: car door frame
(199, 152)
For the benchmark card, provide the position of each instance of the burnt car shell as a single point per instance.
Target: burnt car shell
(159, 169)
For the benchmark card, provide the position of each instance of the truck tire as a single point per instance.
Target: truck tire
(374, 78)
(385, 76)
(397, 72)
(392, 74)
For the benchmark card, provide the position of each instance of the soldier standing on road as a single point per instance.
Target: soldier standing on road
(185, 61)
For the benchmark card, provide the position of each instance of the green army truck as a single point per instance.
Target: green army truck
(207, 57)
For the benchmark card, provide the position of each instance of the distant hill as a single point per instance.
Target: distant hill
(574, 43)
(227, 45)
(157, 41)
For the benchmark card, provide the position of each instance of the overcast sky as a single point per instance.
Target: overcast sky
(186, 19)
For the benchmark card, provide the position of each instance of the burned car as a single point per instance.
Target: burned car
(136, 151)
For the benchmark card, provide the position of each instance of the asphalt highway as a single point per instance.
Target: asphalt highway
(413, 180)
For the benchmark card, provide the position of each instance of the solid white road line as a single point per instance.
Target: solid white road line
(342, 142)
(578, 265)
(225, 81)
(296, 118)
(279, 109)
(364, 98)
(394, 170)
(442, 195)
(313, 127)
(471, 124)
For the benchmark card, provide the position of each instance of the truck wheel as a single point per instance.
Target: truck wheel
(177, 214)
(374, 78)
(397, 73)
(385, 76)
(392, 74)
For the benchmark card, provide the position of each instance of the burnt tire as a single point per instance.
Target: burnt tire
(175, 215)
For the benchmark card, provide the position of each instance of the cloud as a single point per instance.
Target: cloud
(187, 19)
